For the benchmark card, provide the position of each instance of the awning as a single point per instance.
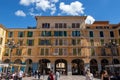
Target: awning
(115, 65)
(4, 65)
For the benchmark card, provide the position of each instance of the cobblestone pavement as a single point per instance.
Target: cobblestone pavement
(61, 78)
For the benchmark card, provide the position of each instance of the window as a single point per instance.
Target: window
(60, 25)
(21, 42)
(75, 25)
(60, 33)
(44, 51)
(76, 51)
(29, 51)
(30, 42)
(44, 42)
(46, 25)
(92, 42)
(1, 40)
(92, 52)
(91, 33)
(102, 41)
(119, 32)
(101, 34)
(46, 33)
(111, 34)
(29, 34)
(75, 33)
(10, 34)
(18, 52)
(20, 34)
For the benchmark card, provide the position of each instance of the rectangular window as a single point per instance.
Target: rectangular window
(29, 34)
(119, 32)
(30, 42)
(20, 34)
(92, 42)
(42, 51)
(92, 52)
(29, 51)
(91, 34)
(46, 51)
(46, 25)
(74, 52)
(111, 34)
(60, 52)
(102, 41)
(101, 34)
(18, 52)
(1, 40)
(10, 34)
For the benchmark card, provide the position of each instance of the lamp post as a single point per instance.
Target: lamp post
(11, 45)
(112, 46)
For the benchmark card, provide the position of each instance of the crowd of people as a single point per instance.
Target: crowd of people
(18, 75)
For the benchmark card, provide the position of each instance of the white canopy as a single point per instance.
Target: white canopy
(115, 65)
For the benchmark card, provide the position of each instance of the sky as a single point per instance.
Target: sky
(21, 13)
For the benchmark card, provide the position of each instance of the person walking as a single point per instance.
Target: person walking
(104, 75)
(57, 75)
(89, 76)
(50, 76)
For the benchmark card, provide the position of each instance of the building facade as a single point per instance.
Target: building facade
(63, 43)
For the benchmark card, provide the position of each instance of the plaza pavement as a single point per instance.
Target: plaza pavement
(63, 77)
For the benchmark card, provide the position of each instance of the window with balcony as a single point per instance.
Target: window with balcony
(20, 34)
(111, 34)
(30, 42)
(29, 34)
(101, 34)
(10, 34)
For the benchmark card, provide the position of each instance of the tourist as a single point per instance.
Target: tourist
(89, 76)
(50, 76)
(57, 75)
(105, 76)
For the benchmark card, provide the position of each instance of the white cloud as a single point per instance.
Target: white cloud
(75, 8)
(20, 13)
(43, 4)
(34, 14)
(89, 20)
(26, 2)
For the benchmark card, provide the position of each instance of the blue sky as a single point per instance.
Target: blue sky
(20, 13)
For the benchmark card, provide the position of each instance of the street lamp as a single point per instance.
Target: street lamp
(11, 45)
(112, 46)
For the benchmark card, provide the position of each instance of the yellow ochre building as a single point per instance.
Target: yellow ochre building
(63, 43)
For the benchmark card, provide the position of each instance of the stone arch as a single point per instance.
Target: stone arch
(28, 63)
(103, 63)
(61, 66)
(115, 61)
(77, 67)
(15, 66)
(93, 66)
(6, 61)
(44, 66)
